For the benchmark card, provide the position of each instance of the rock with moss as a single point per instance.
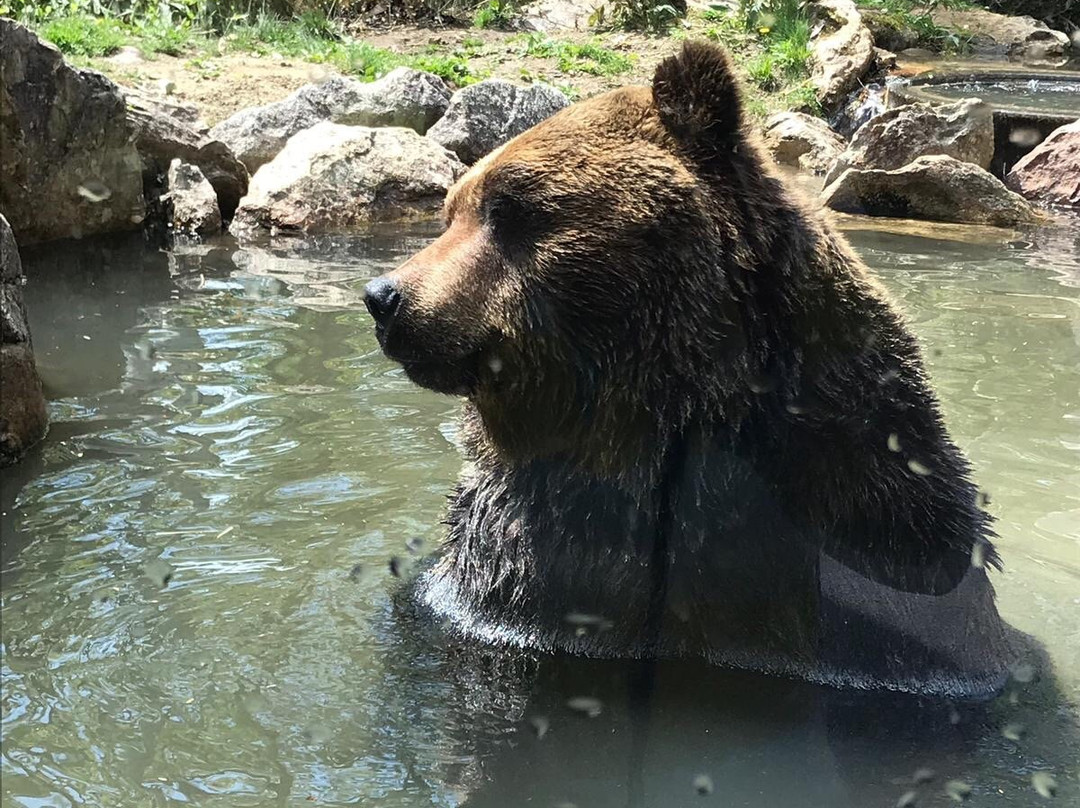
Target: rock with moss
(937, 187)
(69, 168)
(333, 179)
(896, 137)
(404, 97)
(23, 418)
(483, 116)
(1016, 37)
(801, 140)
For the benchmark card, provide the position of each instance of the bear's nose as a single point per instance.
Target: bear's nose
(382, 299)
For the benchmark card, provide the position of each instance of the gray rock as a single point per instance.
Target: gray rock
(1020, 38)
(801, 140)
(404, 97)
(964, 130)
(842, 51)
(1050, 173)
(935, 187)
(184, 112)
(69, 168)
(333, 178)
(162, 136)
(483, 116)
(23, 417)
(194, 201)
(558, 16)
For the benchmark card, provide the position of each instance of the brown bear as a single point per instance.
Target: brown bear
(695, 424)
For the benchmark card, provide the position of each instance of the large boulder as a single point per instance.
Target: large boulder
(841, 53)
(193, 200)
(964, 130)
(1050, 173)
(801, 140)
(403, 97)
(1020, 38)
(164, 133)
(23, 418)
(483, 116)
(333, 178)
(69, 166)
(935, 187)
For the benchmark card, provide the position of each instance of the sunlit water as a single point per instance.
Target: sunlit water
(1058, 97)
(197, 602)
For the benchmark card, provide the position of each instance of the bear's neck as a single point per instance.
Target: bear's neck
(534, 546)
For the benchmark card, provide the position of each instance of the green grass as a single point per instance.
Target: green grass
(311, 37)
(587, 57)
(495, 14)
(83, 35)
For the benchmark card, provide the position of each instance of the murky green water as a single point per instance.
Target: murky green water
(224, 420)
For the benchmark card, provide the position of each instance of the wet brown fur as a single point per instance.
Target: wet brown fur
(681, 388)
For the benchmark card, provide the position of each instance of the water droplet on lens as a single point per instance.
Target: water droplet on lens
(922, 776)
(957, 790)
(586, 705)
(159, 571)
(1013, 731)
(703, 784)
(919, 468)
(893, 442)
(907, 799)
(760, 383)
(584, 622)
(540, 725)
(978, 554)
(94, 191)
(1044, 783)
(1025, 136)
(1023, 672)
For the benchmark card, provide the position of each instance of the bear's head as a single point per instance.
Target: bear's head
(591, 268)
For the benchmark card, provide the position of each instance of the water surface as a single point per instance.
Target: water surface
(1035, 95)
(197, 601)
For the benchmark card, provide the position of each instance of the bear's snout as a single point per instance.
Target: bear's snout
(382, 298)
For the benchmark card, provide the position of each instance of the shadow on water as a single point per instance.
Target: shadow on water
(230, 416)
(519, 728)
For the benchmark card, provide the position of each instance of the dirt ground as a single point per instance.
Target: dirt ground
(219, 85)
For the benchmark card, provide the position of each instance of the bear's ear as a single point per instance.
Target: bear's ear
(697, 96)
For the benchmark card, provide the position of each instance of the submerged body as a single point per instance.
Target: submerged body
(695, 425)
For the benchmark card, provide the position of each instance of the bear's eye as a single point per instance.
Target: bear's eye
(512, 222)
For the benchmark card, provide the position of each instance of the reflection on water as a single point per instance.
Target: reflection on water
(198, 607)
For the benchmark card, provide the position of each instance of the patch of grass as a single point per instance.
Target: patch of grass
(171, 40)
(917, 17)
(762, 72)
(83, 35)
(587, 57)
(651, 16)
(495, 14)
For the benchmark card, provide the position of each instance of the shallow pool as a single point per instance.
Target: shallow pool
(198, 604)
